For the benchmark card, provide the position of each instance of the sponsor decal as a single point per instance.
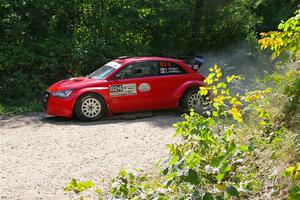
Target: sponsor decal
(169, 68)
(144, 87)
(114, 64)
(122, 90)
(165, 64)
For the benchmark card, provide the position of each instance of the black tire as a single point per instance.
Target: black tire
(199, 107)
(88, 105)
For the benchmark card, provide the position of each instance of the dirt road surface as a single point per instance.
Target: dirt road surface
(40, 154)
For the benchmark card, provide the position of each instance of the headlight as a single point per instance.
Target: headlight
(62, 94)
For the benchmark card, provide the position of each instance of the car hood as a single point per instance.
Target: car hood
(75, 83)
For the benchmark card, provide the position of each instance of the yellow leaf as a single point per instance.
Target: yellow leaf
(215, 91)
(237, 116)
(219, 74)
(203, 91)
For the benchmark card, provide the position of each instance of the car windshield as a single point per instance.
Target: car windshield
(104, 71)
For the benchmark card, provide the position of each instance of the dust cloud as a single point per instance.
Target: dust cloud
(239, 59)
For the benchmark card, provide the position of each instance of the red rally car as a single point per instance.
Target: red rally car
(127, 84)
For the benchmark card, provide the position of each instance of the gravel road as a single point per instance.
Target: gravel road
(40, 154)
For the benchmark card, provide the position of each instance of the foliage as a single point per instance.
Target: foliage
(293, 173)
(79, 187)
(20, 108)
(42, 42)
(286, 39)
(129, 184)
(273, 12)
(282, 124)
(220, 94)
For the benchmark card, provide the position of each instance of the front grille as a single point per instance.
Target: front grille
(45, 99)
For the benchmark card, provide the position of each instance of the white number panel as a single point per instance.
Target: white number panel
(122, 90)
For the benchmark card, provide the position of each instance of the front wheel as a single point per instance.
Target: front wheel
(90, 107)
(192, 100)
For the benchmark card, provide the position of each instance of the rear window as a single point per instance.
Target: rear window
(170, 68)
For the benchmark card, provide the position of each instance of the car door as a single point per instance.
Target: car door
(136, 87)
(172, 76)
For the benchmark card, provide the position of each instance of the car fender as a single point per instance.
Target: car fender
(181, 89)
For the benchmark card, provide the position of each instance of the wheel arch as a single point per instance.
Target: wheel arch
(81, 93)
(184, 88)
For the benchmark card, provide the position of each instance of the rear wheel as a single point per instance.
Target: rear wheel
(90, 107)
(192, 100)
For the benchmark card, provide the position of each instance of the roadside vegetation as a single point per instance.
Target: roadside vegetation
(42, 42)
(247, 147)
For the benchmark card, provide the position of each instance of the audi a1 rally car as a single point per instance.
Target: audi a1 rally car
(128, 84)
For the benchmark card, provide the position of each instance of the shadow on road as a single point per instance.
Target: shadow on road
(156, 118)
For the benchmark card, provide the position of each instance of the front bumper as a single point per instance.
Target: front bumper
(62, 107)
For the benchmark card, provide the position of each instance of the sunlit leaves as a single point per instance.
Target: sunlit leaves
(236, 114)
(293, 171)
(233, 77)
(221, 98)
(209, 79)
(286, 39)
(253, 96)
(78, 187)
(203, 91)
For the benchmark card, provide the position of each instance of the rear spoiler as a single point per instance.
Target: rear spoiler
(193, 62)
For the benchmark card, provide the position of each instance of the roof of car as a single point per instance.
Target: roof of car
(124, 59)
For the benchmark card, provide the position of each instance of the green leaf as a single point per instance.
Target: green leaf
(243, 148)
(294, 193)
(192, 177)
(173, 160)
(71, 186)
(98, 191)
(82, 186)
(220, 176)
(232, 191)
(216, 161)
(215, 113)
(231, 147)
(165, 170)
(208, 196)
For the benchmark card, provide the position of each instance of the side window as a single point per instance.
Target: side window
(138, 70)
(170, 68)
